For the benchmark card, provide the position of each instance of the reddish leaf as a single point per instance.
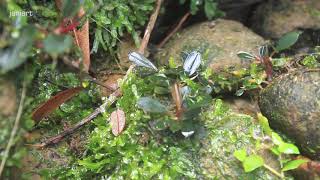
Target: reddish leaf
(176, 95)
(117, 121)
(54, 102)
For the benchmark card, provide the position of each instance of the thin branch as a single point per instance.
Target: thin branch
(150, 27)
(15, 127)
(176, 29)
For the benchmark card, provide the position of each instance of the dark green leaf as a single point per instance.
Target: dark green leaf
(252, 162)
(287, 40)
(18, 53)
(294, 164)
(70, 8)
(151, 105)
(57, 44)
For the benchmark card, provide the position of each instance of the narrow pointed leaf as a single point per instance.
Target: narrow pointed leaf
(54, 102)
(192, 62)
(245, 55)
(287, 40)
(117, 121)
(139, 60)
(151, 105)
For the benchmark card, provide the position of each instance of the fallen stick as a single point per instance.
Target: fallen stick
(112, 98)
(177, 28)
(15, 128)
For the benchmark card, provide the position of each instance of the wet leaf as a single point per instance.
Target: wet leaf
(151, 105)
(192, 62)
(294, 164)
(57, 44)
(264, 123)
(54, 102)
(287, 40)
(18, 53)
(252, 162)
(139, 60)
(245, 55)
(117, 121)
(287, 148)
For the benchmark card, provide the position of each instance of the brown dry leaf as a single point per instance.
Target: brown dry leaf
(110, 80)
(82, 38)
(54, 102)
(117, 121)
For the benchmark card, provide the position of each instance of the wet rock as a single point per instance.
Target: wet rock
(243, 106)
(218, 41)
(277, 17)
(292, 105)
(7, 98)
(228, 131)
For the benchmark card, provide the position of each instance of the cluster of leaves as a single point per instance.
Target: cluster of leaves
(210, 7)
(115, 18)
(277, 146)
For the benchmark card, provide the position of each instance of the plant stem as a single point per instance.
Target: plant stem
(273, 171)
(15, 127)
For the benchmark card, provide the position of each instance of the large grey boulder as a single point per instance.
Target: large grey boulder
(277, 17)
(218, 41)
(292, 105)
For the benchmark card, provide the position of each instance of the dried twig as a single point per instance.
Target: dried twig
(15, 127)
(177, 28)
(149, 28)
(113, 97)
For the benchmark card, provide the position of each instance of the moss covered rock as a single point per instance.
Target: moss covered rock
(292, 105)
(277, 17)
(227, 132)
(218, 41)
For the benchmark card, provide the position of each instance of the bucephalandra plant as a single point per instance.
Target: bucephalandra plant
(265, 58)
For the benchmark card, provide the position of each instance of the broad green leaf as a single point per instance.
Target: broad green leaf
(264, 123)
(18, 53)
(57, 44)
(276, 139)
(151, 105)
(210, 8)
(287, 148)
(275, 151)
(287, 40)
(252, 162)
(294, 164)
(240, 154)
(245, 55)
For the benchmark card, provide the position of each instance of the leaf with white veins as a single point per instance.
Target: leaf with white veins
(139, 60)
(192, 62)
